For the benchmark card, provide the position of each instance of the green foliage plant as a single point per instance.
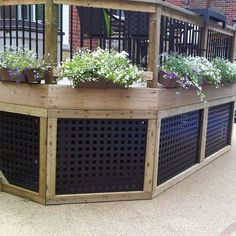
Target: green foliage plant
(112, 66)
(20, 59)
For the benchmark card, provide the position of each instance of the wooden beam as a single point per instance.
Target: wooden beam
(50, 37)
(114, 4)
(25, 110)
(233, 50)
(232, 127)
(154, 46)
(184, 16)
(43, 160)
(150, 155)
(51, 158)
(218, 28)
(156, 160)
(99, 197)
(18, 2)
(203, 135)
(101, 114)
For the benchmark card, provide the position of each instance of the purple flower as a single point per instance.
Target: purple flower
(22, 76)
(170, 75)
(11, 74)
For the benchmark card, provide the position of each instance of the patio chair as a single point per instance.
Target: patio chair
(98, 22)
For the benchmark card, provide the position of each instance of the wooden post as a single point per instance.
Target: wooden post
(204, 40)
(203, 135)
(233, 51)
(0, 184)
(50, 37)
(154, 46)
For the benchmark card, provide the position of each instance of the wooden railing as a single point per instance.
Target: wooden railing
(157, 9)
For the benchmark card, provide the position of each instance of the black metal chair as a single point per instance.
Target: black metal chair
(98, 22)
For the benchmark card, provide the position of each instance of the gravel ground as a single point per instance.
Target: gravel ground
(203, 204)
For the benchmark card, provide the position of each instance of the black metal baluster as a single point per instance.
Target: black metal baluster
(43, 29)
(17, 29)
(30, 27)
(129, 36)
(10, 24)
(61, 31)
(23, 24)
(119, 36)
(71, 33)
(4, 26)
(166, 39)
(110, 30)
(36, 30)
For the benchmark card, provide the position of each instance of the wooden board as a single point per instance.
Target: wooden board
(114, 4)
(101, 114)
(99, 197)
(51, 158)
(34, 95)
(151, 155)
(18, 2)
(43, 160)
(139, 99)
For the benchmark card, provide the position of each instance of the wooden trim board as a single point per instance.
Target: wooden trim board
(179, 110)
(51, 158)
(24, 110)
(151, 155)
(101, 114)
(114, 4)
(43, 160)
(99, 197)
(20, 2)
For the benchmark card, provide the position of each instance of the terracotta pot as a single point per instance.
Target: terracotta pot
(100, 83)
(168, 82)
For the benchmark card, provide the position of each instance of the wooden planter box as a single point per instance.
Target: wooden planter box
(91, 145)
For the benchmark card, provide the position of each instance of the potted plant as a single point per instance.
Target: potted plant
(22, 65)
(100, 69)
(188, 71)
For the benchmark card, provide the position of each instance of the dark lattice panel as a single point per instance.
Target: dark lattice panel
(179, 144)
(96, 155)
(19, 150)
(219, 128)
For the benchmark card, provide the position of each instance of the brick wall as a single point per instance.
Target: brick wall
(76, 33)
(227, 7)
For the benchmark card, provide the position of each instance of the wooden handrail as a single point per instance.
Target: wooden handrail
(18, 2)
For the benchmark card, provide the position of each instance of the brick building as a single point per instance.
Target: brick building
(227, 7)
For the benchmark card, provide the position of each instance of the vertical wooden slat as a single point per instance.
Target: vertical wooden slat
(50, 36)
(203, 135)
(150, 156)
(156, 160)
(51, 158)
(43, 160)
(154, 46)
(232, 122)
